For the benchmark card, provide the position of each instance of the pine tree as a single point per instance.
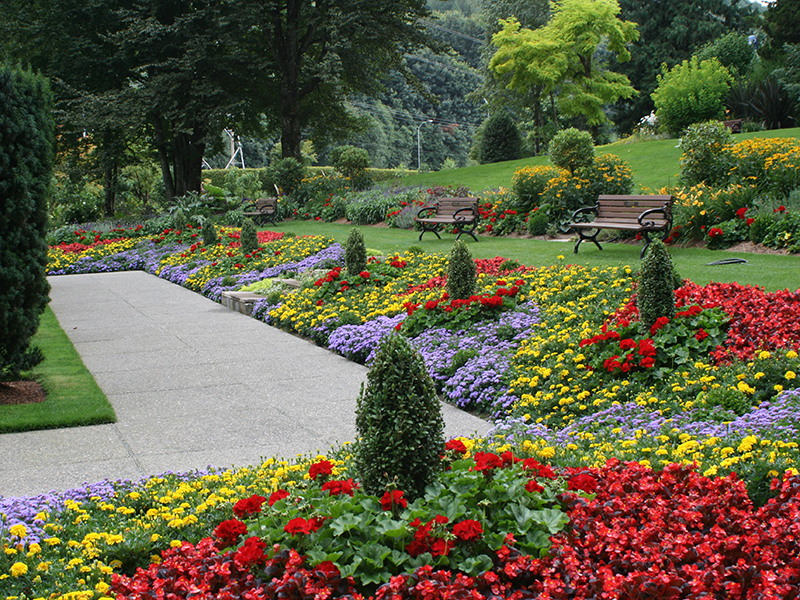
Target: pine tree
(462, 274)
(655, 296)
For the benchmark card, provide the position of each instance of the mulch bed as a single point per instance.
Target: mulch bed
(21, 392)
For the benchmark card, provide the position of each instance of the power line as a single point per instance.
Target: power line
(443, 65)
(452, 31)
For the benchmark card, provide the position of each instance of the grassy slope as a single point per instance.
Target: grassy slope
(655, 164)
(73, 397)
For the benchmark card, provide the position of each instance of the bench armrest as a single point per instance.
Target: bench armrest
(459, 216)
(426, 209)
(667, 214)
(580, 215)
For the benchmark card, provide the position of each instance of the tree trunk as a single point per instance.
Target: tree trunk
(110, 184)
(163, 158)
(188, 150)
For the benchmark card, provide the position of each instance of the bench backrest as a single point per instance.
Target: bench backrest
(447, 207)
(268, 205)
(626, 209)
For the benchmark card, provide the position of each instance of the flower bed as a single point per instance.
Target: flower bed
(575, 387)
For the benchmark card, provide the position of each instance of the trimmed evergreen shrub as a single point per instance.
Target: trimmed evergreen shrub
(27, 133)
(655, 296)
(538, 222)
(462, 273)
(287, 174)
(355, 253)
(571, 149)
(399, 422)
(210, 237)
(353, 163)
(500, 141)
(249, 236)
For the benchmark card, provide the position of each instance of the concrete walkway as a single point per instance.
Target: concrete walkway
(193, 384)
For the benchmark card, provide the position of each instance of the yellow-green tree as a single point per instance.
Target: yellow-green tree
(562, 55)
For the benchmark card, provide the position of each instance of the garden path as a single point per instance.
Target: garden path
(192, 383)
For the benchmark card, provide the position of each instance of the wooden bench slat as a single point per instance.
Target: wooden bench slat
(461, 212)
(624, 213)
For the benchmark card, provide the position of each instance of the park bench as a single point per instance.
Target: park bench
(735, 125)
(460, 212)
(262, 211)
(639, 214)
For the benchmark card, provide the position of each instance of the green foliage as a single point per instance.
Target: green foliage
(243, 183)
(26, 162)
(353, 163)
(500, 141)
(655, 296)
(370, 207)
(538, 222)
(74, 202)
(571, 149)
(210, 237)
(760, 227)
(355, 253)
(705, 157)
(509, 265)
(529, 183)
(249, 236)
(399, 422)
(287, 174)
(732, 50)
(462, 273)
(691, 92)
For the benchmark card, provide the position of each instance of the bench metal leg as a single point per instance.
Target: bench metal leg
(426, 230)
(583, 238)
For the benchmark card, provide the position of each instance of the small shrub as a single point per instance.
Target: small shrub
(705, 153)
(459, 359)
(500, 140)
(509, 265)
(399, 422)
(462, 273)
(248, 237)
(655, 296)
(529, 183)
(210, 237)
(287, 174)
(353, 163)
(355, 253)
(608, 174)
(691, 92)
(571, 149)
(368, 208)
(538, 222)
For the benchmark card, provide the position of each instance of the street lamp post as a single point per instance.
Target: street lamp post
(419, 147)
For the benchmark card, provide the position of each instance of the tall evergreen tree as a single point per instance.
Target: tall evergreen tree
(26, 162)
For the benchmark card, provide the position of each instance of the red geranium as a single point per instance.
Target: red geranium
(275, 496)
(486, 461)
(456, 445)
(532, 486)
(228, 532)
(323, 467)
(335, 488)
(584, 482)
(251, 553)
(301, 525)
(248, 506)
(393, 498)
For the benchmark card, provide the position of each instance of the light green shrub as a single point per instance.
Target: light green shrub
(571, 149)
(706, 157)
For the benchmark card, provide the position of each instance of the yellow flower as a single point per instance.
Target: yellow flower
(18, 569)
(790, 375)
(18, 530)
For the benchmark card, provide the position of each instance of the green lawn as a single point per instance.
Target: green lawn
(73, 397)
(655, 164)
(769, 271)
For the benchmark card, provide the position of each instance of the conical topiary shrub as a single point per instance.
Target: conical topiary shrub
(210, 237)
(461, 272)
(655, 296)
(399, 422)
(355, 253)
(249, 236)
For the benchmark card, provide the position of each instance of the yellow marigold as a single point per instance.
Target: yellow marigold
(18, 569)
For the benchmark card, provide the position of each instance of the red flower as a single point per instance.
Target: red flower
(532, 486)
(468, 530)
(714, 232)
(301, 525)
(335, 488)
(750, 221)
(440, 547)
(393, 498)
(660, 322)
(248, 506)
(228, 532)
(251, 553)
(646, 348)
(456, 445)
(627, 344)
(780, 209)
(364, 274)
(701, 335)
(584, 482)
(275, 496)
(486, 461)
(323, 467)
(741, 212)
